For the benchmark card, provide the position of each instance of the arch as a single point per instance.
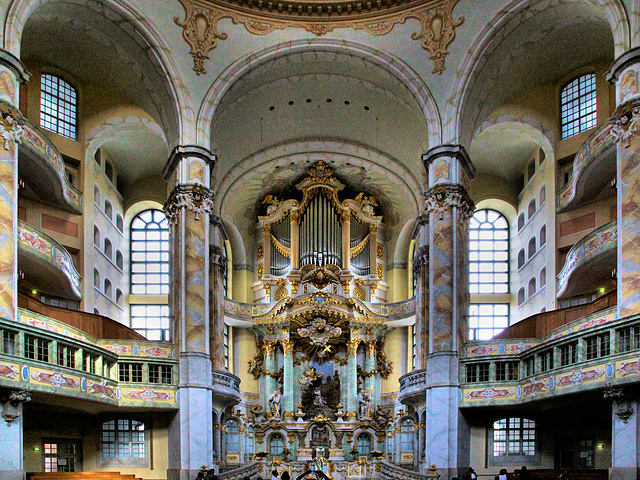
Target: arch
(108, 208)
(492, 36)
(96, 236)
(531, 287)
(96, 279)
(521, 296)
(108, 248)
(364, 443)
(108, 288)
(521, 221)
(119, 260)
(401, 250)
(521, 258)
(119, 222)
(531, 209)
(531, 248)
(394, 66)
(119, 297)
(276, 443)
(543, 277)
(543, 236)
(158, 50)
(542, 196)
(96, 195)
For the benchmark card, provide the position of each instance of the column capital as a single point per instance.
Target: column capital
(620, 64)
(194, 197)
(457, 152)
(448, 196)
(14, 64)
(181, 152)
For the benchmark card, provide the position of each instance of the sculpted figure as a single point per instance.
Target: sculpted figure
(274, 404)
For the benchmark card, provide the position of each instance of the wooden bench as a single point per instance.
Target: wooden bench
(80, 476)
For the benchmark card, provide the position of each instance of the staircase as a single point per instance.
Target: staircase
(81, 476)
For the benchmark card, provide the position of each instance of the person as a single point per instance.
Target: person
(524, 474)
(274, 404)
(285, 476)
(471, 474)
(502, 475)
(274, 475)
(200, 476)
(564, 475)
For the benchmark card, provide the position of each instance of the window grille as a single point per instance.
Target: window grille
(58, 106)
(514, 436)
(578, 105)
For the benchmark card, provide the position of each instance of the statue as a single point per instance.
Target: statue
(385, 367)
(259, 415)
(364, 405)
(319, 463)
(381, 416)
(255, 365)
(320, 436)
(274, 405)
(366, 203)
(272, 203)
(309, 376)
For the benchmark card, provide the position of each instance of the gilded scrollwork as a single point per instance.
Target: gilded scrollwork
(200, 27)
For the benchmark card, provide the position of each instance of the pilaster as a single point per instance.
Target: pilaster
(188, 208)
(625, 76)
(449, 209)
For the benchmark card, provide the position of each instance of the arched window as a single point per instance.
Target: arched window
(108, 288)
(521, 296)
(150, 253)
(489, 252)
(532, 286)
(108, 209)
(96, 278)
(521, 258)
(123, 438)
(578, 105)
(276, 444)
(520, 221)
(363, 444)
(542, 196)
(119, 222)
(543, 277)
(532, 247)
(108, 169)
(514, 436)
(96, 195)
(531, 169)
(119, 297)
(119, 260)
(406, 435)
(96, 236)
(108, 248)
(232, 436)
(543, 235)
(531, 209)
(58, 106)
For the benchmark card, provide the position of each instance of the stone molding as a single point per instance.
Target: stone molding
(621, 63)
(450, 151)
(13, 63)
(193, 197)
(10, 404)
(181, 152)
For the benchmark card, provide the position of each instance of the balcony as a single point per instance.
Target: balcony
(413, 386)
(42, 171)
(47, 266)
(226, 389)
(589, 263)
(594, 167)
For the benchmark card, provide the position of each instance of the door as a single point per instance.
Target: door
(61, 455)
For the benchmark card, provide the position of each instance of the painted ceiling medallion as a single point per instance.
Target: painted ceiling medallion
(437, 24)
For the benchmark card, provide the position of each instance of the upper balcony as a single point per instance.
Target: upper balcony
(594, 167)
(226, 388)
(412, 387)
(47, 266)
(42, 171)
(589, 263)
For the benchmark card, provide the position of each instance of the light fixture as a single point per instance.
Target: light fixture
(35, 292)
(36, 449)
(602, 290)
(600, 446)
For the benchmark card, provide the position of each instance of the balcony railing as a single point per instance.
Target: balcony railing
(594, 167)
(41, 167)
(412, 384)
(41, 257)
(597, 251)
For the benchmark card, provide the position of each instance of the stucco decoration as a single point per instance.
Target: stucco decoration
(437, 23)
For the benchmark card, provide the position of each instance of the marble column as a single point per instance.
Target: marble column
(350, 388)
(625, 76)
(188, 174)
(12, 74)
(625, 431)
(449, 207)
(370, 364)
(270, 365)
(287, 398)
(218, 270)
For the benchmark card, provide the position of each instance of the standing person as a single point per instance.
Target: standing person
(564, 475)
(470, 475)
(285, 476)
(274, 475)
(502, 475)
(524, 474)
